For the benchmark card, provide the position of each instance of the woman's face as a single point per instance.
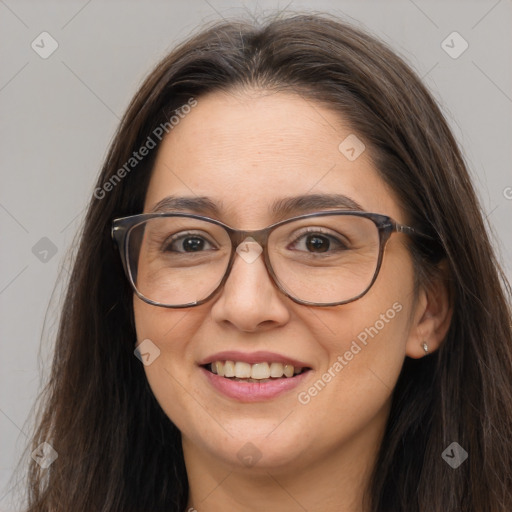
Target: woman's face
(244, 152)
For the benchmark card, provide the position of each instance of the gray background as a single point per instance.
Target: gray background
(59, 114)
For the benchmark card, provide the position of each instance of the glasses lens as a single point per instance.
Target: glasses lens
(325, 259)
(177, 260)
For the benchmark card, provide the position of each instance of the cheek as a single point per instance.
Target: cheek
(170, 329)
(366, 343)
(365, 355)
(167, 332)
(159, 325)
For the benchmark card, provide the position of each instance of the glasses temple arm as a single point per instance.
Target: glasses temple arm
(407, 230)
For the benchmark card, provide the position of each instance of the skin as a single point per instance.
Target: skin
(244, 150)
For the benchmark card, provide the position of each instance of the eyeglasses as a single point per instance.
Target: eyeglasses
(179, 260)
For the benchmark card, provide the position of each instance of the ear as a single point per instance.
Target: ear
(432, 315)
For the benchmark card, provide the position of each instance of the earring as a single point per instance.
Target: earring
(425, 347)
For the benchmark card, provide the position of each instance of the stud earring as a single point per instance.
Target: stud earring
(425, 347)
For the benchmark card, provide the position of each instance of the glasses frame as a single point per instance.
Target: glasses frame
(386, 226)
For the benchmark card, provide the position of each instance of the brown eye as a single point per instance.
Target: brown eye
(188, 243)
(314, 241)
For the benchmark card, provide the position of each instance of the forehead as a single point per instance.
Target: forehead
(247, 151)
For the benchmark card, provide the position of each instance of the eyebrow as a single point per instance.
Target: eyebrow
(281, 208)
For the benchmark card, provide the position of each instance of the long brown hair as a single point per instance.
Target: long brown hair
(118, 451)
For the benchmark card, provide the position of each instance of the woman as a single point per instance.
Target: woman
(284, 295)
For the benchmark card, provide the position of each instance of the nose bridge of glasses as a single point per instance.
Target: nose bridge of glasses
(239, 236)
(249, 246)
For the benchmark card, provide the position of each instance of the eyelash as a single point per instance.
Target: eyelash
(182, 236)
(321, 232)
(166, 246)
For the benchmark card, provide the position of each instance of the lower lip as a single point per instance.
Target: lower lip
(253, 391)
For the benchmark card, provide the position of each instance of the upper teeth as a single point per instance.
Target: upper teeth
(259, 371)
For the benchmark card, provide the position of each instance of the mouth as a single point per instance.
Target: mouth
(261, 372)
(254, 377)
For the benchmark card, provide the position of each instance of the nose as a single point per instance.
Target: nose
(249, 300)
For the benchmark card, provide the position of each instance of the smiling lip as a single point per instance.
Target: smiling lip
(253, 391)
